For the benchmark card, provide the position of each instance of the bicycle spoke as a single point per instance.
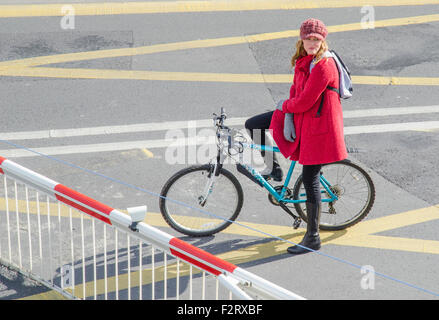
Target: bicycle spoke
(355, 194)
(204, 213)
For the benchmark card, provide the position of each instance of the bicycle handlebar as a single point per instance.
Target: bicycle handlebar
(235, 140)
(219, 119)
(228, 138)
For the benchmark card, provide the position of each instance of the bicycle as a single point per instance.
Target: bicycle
(347, 190)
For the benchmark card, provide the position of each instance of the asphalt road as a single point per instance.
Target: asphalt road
(403, 162)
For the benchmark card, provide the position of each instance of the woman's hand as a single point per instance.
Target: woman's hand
(279, 105)
(289, 130)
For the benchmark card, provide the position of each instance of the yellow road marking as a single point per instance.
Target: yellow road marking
(427, 130)
(360, 235)
(344, 237)
(78, 73)
(148, 153)
(48, 295)
(122, 52)
(21, 67)
(197, 44)
(355, 236)
(133, 75)
(396, 221)
(147, 277)
(406, 81)
(146, 7)
(391, 243)
(63, 211)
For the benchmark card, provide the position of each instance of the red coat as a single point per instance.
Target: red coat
(318, 139)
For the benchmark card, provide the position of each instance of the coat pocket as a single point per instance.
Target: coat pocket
(319, 125)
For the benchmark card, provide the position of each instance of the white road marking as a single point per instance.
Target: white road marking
(106, 147)
(106, 130)
(382, 112)
(392, 127)
(204, 123)
(197, 140)
(194, 139)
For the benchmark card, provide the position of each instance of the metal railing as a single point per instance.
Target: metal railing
(87, 250)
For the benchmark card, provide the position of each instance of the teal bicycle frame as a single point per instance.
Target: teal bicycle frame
(256, 177)
(280, 197)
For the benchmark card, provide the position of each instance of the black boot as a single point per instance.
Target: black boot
(312, 238)
(276, 173)
(270, 160)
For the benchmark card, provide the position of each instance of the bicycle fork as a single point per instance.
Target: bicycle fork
(214, 172)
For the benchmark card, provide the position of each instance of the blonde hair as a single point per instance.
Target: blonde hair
(300, 52)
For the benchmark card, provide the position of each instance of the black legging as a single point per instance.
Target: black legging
(259, 122)
(310, 173)
(311, 182)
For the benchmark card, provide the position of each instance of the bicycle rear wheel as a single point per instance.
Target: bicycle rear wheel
(180, 201)
(354, 189)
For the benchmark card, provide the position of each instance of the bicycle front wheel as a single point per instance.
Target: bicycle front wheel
(354, 189)
(183, 209)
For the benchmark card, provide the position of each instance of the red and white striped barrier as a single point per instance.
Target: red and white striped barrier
(174, 246)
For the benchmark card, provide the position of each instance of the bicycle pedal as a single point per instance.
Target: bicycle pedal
(297, 223)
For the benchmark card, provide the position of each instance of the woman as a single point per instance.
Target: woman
(319, 136)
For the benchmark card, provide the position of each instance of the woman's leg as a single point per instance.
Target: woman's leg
(257, 127)
(311, 182)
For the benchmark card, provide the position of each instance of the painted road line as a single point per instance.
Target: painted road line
(107, 130)
(349, 236)
(396, 221)
(48, 295)
(172, 272)
(360, 235)
(106, 147)
(194, 141)
(118, 8)
(389, 111)
(109, 74)
(392, 127)
(148, 153)
(152, 218)
(63, 211)
(194, 44)
(122, 281)
(401, 81)
(202, 123)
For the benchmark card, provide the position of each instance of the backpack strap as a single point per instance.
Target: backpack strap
(333, 89)
(321, 105)
(319, 111)
(327, 54)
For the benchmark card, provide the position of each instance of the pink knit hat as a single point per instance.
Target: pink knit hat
(313, 28)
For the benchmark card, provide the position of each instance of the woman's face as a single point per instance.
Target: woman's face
(312, 45)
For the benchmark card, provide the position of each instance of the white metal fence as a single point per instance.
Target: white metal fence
(87, 250)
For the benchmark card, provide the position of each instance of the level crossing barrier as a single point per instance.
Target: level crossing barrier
(85, 249)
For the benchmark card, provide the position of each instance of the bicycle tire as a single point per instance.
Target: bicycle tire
(193, 222)
(358, 216)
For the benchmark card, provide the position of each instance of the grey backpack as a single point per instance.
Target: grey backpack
(345, 82)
